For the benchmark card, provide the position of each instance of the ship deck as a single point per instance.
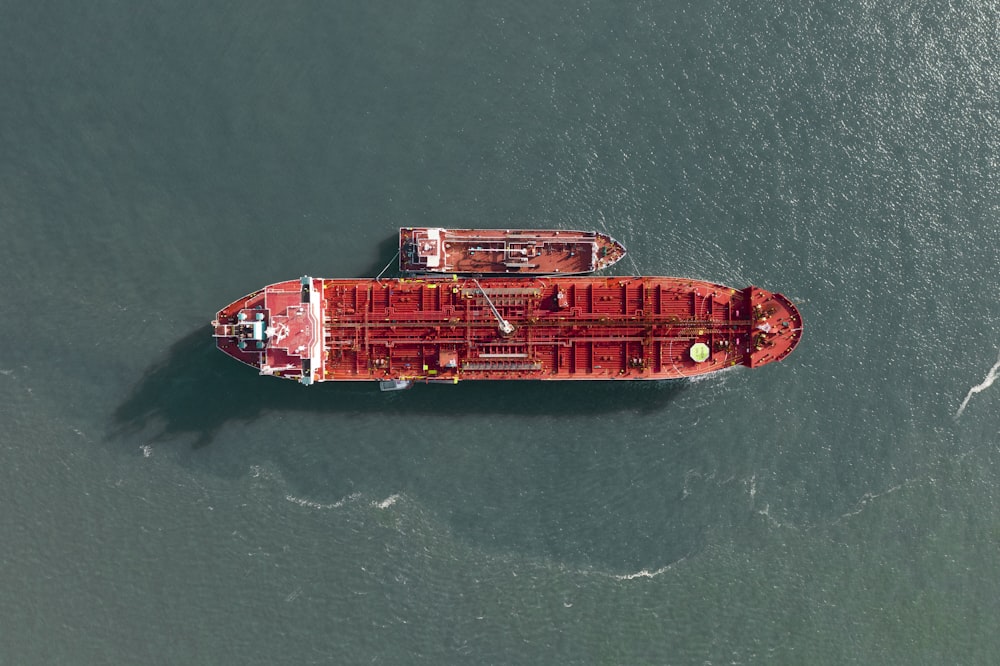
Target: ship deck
(505, 251)
(439, 329)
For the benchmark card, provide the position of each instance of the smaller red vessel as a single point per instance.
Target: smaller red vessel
(505, 251)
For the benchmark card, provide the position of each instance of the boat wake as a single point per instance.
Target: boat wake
(387, 502)
(991, 377)
(301, 501)
(646, 573)
(719, 376)
(353, 497)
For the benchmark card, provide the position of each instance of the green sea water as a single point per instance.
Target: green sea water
(162, 504)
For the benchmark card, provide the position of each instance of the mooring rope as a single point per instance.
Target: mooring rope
(387, 266)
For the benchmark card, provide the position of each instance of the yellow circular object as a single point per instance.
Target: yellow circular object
(699, 352)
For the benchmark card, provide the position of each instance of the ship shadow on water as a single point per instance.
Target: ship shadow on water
(195, 390)
(523, 498)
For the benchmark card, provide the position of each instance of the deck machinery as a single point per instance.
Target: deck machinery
(447, 329)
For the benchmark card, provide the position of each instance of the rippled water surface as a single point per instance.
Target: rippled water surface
(163, 505)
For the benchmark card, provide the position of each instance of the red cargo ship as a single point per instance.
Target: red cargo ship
(397, 331)
(505, 251)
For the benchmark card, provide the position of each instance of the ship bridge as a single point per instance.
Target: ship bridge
(278, 330)
(439, 329)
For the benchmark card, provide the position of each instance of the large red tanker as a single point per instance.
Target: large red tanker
(397, 331)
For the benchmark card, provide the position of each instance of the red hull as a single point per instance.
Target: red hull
(560, 328)
(506, 251)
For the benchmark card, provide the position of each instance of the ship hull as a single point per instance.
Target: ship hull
(430, 250)
(565, 328)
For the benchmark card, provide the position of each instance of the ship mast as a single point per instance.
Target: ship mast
(506, 328)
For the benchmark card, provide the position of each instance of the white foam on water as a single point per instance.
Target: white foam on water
(765, 513)
(991, 377)
(387, 502)
(646, 573)
(301, 501)
(719, 375)
(258, 472)
(866, 500)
